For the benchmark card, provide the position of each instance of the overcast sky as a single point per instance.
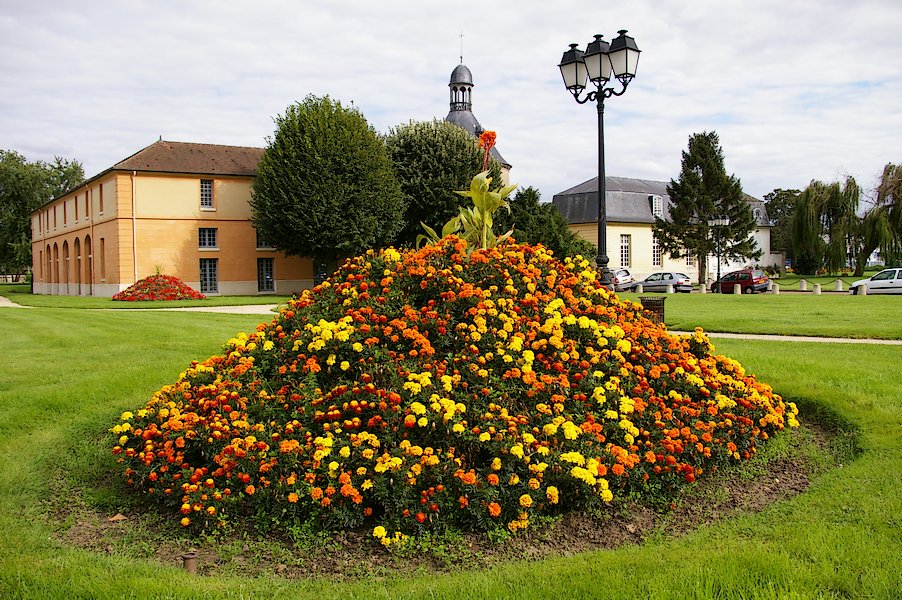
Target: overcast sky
(797, 90)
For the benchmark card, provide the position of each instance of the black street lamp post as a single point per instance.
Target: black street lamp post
(716, 223)
(599, 63)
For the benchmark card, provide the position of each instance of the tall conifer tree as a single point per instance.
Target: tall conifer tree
(704, 191)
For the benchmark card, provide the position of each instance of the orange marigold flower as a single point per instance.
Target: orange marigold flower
(492, 479)
(617, 469)
(249, 490)
(463, 501)
(494, 509)
(316, 493)
(292, 497)
(185, 522)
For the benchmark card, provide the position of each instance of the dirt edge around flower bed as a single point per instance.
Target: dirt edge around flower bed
(355, 554)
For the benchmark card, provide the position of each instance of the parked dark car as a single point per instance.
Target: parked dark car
(622, 278)
(887, 281)
(658, 282)
(749, 280)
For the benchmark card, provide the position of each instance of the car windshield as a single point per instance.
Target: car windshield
(882, 275)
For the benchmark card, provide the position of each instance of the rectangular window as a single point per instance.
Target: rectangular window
(101, 199)
(206, 237)
(625, 250)
(655, 252)
(265, 279)
(87, 204)
(263, 244)
(65, 220)
(206, 193)
(54, 217)
(209, 277)
(102, 259)
(690, 260)
(75, 202)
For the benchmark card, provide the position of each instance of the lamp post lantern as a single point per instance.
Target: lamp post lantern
(716, 223)
(599, 64)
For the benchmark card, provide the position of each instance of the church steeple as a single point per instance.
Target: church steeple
(461, 113)
(461, 86)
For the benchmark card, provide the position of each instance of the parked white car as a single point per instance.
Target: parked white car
(623, 279)
(887, 281)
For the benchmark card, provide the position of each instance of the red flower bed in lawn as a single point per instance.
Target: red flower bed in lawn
(159, 287)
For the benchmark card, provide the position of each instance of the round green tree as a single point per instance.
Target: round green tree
(325, 187)
(431, 160)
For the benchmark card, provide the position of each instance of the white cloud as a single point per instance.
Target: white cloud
(796, 90)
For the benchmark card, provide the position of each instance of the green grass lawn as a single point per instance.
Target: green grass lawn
(67, 374)
(21, 294)
(833, 315)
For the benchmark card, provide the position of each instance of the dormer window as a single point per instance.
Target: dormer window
(657, 206)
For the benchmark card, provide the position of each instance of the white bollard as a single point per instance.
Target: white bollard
(737, 289)
(837, 287)
(702, 289)
(803, 285)
(770, 285)
(817, 289)
(669, 288)
(777, 289)
(639, 289)
(863, 289)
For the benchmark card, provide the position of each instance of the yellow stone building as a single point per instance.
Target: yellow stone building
(179, 208)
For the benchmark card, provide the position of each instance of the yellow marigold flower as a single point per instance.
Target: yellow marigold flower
(484, 436)
(185, 521)
(357, 347)
(514, 479)
(333, 466)
(417, 408)
(552, 494)
(533, 483)
(123, 439)
(344, 452)
(379, 531)
(517, 450)
(423, 422)
(127, 415)
(496, 463)
(606, 495)
(457, 428)
(366, 485)
(550, 429)
(525, 500)
(345, 365)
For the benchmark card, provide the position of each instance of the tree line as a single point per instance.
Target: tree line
(328, 187)
(823, 227)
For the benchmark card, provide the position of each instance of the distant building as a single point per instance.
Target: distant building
(632, 205)
(182, 208)
(179, 207)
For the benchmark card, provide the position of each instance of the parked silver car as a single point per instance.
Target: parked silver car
(622, 279)
(887, 281)
(658, 282)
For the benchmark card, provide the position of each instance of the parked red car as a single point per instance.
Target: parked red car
(749, 280)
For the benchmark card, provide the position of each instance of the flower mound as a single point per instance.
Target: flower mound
(434, 388)
(159, 287)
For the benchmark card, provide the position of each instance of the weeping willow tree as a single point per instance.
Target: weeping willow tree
(882, 224)
(826, 228)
